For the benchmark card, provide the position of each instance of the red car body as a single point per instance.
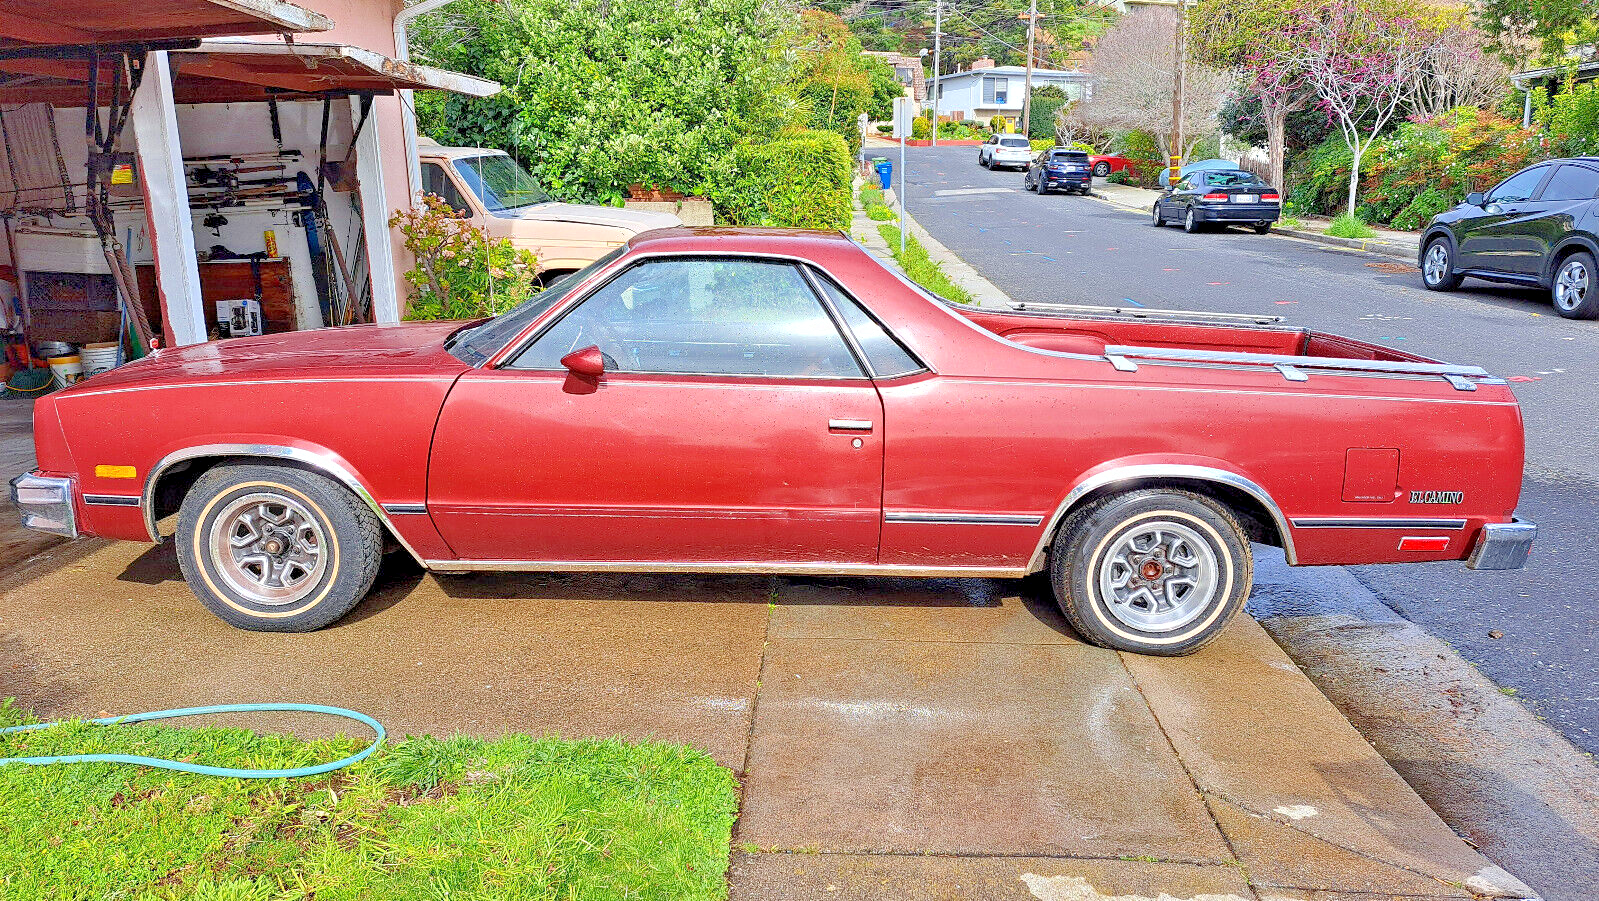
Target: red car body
(1104, 164)
(1339, 452)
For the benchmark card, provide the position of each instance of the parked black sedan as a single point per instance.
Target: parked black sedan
(1059, 167)
(1539, 227)
(1225, 196)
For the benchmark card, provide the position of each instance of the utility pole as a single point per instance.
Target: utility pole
(1027, 95)
(938, 51)
(1175, 164)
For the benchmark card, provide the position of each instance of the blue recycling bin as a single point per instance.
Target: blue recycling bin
(885, 174)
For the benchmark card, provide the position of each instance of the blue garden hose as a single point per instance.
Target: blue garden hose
(227, 771)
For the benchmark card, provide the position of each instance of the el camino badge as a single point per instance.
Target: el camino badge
(1437, 497)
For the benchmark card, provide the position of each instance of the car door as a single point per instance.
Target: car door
(732, 425)
(1563, 200)
(1501, 238)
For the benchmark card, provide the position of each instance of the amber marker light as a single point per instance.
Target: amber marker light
(108, 471)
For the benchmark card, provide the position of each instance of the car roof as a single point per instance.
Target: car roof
(455, 153)
(805, 243)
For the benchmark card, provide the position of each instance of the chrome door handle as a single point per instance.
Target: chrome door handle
(850, 425)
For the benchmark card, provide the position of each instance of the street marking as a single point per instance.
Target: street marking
(1131, 301)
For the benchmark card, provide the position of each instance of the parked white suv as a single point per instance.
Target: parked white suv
(1005, 150)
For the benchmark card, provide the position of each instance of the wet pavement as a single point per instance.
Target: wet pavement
(894, 738)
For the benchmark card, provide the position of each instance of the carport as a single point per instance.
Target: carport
(247, 176)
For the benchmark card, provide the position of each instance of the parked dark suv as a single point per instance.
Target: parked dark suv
(1537, 227)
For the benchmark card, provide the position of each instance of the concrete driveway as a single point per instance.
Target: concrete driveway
(895, 739)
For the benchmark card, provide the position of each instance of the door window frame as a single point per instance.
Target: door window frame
(505, 360)
(1556, 169)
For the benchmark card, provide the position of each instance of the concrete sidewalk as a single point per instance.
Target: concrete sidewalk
(1394, 244)
(894, 738)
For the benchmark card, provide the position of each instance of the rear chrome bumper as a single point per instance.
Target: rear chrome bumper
(45, 503)
(1503, 545)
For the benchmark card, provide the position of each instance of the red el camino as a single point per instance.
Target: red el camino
(708, 400)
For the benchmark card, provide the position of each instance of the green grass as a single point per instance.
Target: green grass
(424, 818)
(920, 268)
(1347, 226)
(871, 198)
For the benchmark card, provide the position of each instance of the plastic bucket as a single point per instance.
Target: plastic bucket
(68, 370)
(100, 357)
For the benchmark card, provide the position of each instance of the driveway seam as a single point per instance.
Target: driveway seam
(760, 681)
(996, 855)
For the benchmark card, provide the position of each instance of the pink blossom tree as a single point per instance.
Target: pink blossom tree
(1362, 59)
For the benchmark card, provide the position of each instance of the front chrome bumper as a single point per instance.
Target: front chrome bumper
(45, 503)
(1503, 545)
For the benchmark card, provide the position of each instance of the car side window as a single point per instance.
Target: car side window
(435, 181)
(1572, 182)
(702, 316)
(887, 357)
(1518, 187)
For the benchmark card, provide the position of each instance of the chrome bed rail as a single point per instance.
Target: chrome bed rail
(1194, 316)
(1292, 367)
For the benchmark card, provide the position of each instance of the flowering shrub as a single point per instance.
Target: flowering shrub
(459, 272)
(1571, 118)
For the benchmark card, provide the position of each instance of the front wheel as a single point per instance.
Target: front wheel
(1437, 266)
(276, 549)
(1575, 290)
(1152, 571)
(1155, 218)
(1102, 169)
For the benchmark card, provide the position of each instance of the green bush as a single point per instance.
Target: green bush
(1347, 226)
(1046, 101)
(801, 179)
(1571, 118)
(1141, 148)
(459, 272)
(1420, 210)
(998, 124)
(920, 129)
(1039, 144)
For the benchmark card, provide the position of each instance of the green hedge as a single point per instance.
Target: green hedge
(800, 179)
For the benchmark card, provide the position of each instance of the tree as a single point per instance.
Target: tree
(1133, 70)
(602, 94)
(1455, 72)
(1362, 61)
(1554, 27)
(1248, 37)
(837, 83)
(1046, 105)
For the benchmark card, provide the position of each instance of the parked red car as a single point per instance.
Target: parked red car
(714, 400)
(1104, 164)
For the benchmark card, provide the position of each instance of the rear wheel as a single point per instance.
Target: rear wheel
(1437, 266)
(1190, 224)
(1575, 290)
(276, 549)
(1041, 189)
(1262, 228)
(1152, 571)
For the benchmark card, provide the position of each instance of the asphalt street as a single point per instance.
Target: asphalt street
(1076, 249)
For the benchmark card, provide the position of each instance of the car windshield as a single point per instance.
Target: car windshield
(1014, 142)
(475, 344)
(499, 182)
(1231, 179)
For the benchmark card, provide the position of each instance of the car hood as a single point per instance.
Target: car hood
(586, 214)
(411, 349)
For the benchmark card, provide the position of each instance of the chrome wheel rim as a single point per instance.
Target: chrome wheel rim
(1154, 214)
(268, 548)
(1159, 576)
(1437, 264)
(1571, 285)
(1188, 221)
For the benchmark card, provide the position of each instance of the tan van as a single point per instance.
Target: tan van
(499, 196)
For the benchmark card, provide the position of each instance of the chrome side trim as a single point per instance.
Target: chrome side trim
(967, 519)
(1163, 471)
(1075, 310)
(405, 509)
(1377, 522)
(735, 567)
(317, 461)
(111, 500)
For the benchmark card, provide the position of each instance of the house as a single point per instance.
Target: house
(228, 164)
(986, 90)
(1551, 78)
(908, 69)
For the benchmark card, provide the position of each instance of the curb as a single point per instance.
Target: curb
(984, 293)
(1364, 245)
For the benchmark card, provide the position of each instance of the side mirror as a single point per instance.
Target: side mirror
(1475, 198)
(588, 362)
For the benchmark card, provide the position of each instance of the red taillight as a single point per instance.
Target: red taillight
(1214, 197)
(1271, 197)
